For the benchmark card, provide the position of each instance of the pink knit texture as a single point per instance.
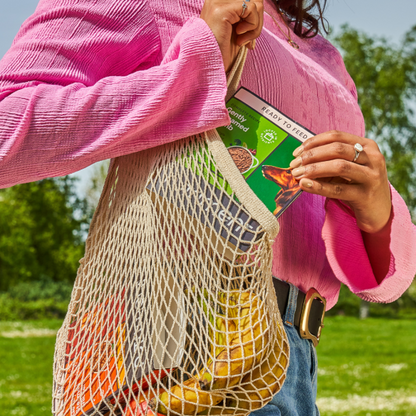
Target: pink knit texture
(91, 80)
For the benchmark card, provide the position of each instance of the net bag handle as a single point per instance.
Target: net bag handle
(228, 168)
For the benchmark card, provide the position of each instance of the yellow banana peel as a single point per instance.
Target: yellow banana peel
(185, 399)
(259, 386)
(246, 348)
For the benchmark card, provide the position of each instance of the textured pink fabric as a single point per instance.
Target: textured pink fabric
(87, 80)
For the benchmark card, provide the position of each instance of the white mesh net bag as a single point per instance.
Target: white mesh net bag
(173, 310)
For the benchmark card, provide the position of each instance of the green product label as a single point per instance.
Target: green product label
(261, 140)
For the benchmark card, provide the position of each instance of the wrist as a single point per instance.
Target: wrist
(374, 225)
(377, 245)
(375, 216)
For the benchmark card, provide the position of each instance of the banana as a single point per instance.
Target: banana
(238, 343)
(246, 347)
(221, 411)
(258, 387)
(224, 333)
(221, 329)
(185, 399)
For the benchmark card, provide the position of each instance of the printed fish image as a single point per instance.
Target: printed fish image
(287, 182)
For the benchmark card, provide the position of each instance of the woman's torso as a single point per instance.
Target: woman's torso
(311, 86)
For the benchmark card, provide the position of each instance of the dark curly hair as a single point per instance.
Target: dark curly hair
(301, 12)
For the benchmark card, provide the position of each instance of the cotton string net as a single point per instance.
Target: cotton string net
(173, 311)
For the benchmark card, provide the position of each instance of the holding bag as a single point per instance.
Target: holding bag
(174, 310)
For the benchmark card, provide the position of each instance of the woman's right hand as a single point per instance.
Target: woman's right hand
(232, 29)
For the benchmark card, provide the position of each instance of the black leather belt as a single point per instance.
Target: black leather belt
(310, 310)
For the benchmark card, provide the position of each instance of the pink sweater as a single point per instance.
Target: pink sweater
(87, 80)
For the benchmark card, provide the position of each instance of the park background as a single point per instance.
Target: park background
(367, 366)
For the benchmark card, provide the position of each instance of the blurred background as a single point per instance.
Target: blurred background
(367, 354)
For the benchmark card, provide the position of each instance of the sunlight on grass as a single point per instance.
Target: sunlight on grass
(367, 368)
(379, 402)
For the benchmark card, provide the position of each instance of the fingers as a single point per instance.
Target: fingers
(249, 27)
(232, 25)
(341, 145)
(332, 168)
(372, 207)
(337, 190)
(331, 151)
(252, 21)
(331, 137)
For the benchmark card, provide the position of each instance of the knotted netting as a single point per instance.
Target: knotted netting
(173, 311)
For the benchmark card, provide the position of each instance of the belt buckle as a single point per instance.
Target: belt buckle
(311, 295)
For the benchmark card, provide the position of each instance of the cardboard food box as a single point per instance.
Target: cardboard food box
(260, 140)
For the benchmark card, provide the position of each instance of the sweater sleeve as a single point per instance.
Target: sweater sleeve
(85, 81)
(348, 258)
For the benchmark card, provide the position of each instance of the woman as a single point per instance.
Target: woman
(86, 81)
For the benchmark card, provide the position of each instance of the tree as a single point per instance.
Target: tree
(42, 230)
(385, 77)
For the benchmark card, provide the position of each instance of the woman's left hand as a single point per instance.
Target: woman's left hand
(324, 165)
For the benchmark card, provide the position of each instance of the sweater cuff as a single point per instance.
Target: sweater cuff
(348, 258)
(198, 47)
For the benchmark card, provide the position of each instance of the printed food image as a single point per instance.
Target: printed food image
(242, 158)
(282, 177)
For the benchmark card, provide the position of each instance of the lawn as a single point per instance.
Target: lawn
(26, 355)
(366, 368)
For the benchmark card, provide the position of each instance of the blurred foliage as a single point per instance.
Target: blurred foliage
(12, 309)
(41, 290)
(39, 299)
(385, 77)
(42, 230)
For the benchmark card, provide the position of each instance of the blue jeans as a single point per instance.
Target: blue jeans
(298, 394)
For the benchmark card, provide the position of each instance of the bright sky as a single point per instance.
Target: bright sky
(387, 18)
(376, 17)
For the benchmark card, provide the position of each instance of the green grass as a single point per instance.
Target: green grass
(366, 368)
(26, 357)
